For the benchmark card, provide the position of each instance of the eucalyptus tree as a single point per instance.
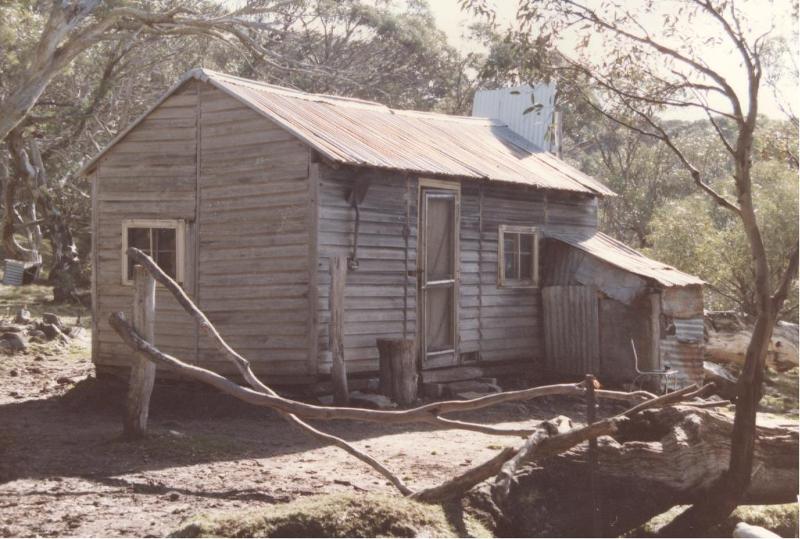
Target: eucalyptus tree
(41, 40)
(648, 58)
(392, 53)
(76, 72)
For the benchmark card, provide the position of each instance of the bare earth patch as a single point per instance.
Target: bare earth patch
(64, 470)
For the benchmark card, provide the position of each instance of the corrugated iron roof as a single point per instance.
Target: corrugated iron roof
(362, 133)
(620, 255)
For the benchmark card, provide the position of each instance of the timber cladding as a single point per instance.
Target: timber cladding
(240, 184)
(247, 191)
(150, 174)
(262, 217)
(494, 324)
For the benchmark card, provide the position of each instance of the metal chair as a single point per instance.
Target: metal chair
(663, 380)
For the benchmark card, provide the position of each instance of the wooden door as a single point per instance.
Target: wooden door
(438, 283)
(571, 330)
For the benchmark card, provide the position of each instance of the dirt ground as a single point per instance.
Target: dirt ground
(65, 471)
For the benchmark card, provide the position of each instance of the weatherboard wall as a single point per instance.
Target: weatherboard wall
(253, 236)
(241, 185)
(264, 215)
(150, 174)
(495, 325)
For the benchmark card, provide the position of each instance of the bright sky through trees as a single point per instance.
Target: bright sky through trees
(761, 14)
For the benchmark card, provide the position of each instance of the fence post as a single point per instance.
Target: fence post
(338, 268)
(591, 417)
(143, 372)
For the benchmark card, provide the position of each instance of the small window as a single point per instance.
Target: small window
(163, 240)
(518, 256)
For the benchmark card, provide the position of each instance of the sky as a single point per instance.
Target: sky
(760, 14)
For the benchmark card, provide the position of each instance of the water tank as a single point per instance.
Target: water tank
(528, 110)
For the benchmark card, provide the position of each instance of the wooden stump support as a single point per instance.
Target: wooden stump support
(338, 270)
(143, 372)
(398, 370)
(591, 417)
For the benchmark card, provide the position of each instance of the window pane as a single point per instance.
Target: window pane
(166, 261)
(139, 238)
(526, 257)
(165, 239)
(510, 247)
(159, 243)
(165, 255)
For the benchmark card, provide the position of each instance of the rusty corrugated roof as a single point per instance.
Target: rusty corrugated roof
(362, 133)
(620, 255)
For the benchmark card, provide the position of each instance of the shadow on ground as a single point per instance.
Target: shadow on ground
(79, 433)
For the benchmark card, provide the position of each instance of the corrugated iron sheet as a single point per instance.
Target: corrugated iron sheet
(14, 272)
(509, 104)
(684, 351)
(362, 133)
(620, 255)
(689, 330)
(684, 358)
(571, 329)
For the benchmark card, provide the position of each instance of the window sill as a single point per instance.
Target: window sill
(518, 285)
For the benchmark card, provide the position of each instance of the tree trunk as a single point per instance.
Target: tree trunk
(65, 273)
(659, 459)
(22, 171)
(398, 370)
(729, 335)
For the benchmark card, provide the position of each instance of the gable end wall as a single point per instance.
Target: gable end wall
(241, 184)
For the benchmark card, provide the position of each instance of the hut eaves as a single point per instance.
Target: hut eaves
(620, 255)
(361, 133)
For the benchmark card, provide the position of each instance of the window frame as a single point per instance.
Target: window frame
(502, 280)
(179, 225)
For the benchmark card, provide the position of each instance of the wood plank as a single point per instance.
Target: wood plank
(453, 374)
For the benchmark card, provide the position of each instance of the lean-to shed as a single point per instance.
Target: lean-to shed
(459, 233)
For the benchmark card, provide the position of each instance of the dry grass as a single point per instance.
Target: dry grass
(38, 299)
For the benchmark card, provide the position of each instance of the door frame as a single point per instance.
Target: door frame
(427, 184)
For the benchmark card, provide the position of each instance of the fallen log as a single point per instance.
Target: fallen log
(728, 335)
(546, 440)
(657, 459)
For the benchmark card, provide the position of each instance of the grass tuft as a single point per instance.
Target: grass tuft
(369, 515)
(780, 519)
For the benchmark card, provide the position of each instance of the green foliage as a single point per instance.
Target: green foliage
(393, 54)
(369, 515)
(697, 236)
(779, 519)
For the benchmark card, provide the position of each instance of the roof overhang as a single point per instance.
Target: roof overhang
(361, 133)
(618, 254)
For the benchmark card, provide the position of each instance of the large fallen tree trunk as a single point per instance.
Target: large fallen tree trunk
(656, 460)
(728, 335)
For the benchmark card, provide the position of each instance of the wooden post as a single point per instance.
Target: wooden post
(143, 372)
(591, 417)
(338, 269)
(655, 332)
(398, 370)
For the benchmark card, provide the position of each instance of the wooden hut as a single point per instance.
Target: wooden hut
(459, 235)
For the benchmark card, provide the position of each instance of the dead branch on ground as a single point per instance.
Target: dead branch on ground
(550, 437)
